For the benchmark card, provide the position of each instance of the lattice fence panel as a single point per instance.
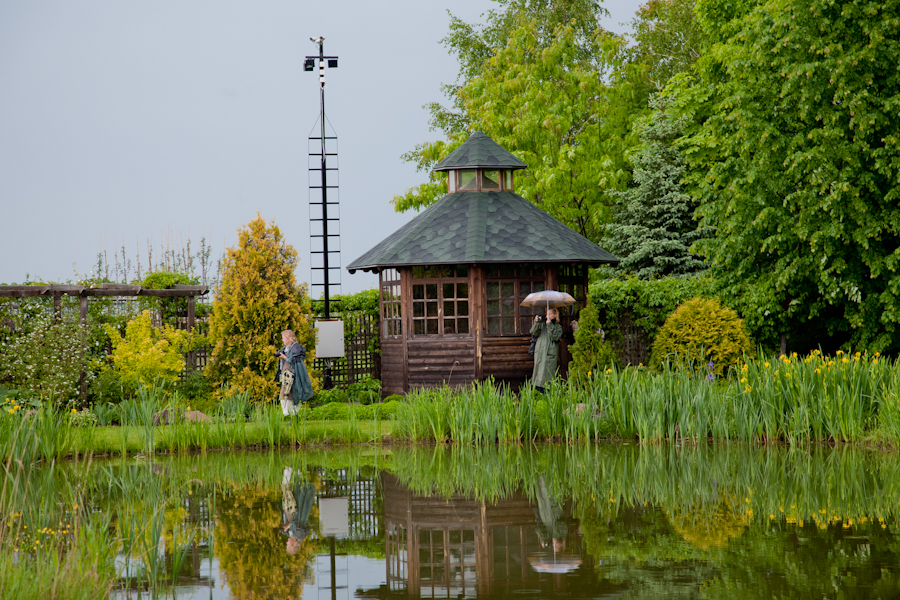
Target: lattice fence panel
(360, 359)
(633, 347)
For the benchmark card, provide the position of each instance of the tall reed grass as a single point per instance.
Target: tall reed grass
(792, 399)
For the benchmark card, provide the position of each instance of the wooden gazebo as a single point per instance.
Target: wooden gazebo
(452, 279)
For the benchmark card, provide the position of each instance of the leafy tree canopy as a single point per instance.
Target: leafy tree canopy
(796, 161)
(667, 39)
(554, 111)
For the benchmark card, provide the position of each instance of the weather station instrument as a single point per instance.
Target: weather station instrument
(324, 220)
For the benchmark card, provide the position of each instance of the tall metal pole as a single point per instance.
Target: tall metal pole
(324, 175)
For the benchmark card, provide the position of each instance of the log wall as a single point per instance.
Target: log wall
(507, 359)
(432, 363)
(393, 375)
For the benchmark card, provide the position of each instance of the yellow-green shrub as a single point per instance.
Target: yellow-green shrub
(701, 331)
(257, 299)
(147, 354)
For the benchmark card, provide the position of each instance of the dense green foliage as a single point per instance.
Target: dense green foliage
(257, 299)
(667, 39)
(51, 357)
(146, 354)
(701, 332)
(364, 391)
(591, 350)
(654, 226)
(644, 303)
(795, 157)
(541, 95)
(170, 308)
(365, 301)
(776, 120)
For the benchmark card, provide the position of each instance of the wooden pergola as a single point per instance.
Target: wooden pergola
(452, 279)
(106, 290)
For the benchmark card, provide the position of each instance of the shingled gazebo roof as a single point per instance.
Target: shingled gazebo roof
(480, 151)
(481, 227)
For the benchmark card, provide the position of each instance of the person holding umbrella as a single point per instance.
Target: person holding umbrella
(546, 332)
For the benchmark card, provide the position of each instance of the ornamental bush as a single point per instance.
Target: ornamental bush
(51, 358)
(591, 350)
(257, 299)
(699, 332)
(146, 354)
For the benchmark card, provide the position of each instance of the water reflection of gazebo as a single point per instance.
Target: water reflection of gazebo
(451, 547)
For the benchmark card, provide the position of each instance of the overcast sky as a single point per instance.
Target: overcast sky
(123, 122)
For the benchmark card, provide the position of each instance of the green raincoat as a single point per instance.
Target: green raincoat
(302, 389)
(546, 351)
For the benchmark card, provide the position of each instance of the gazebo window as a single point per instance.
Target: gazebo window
(490, 180)
(440, 300)
(474, 180)
(506, 287)
(571, 281)
(390, 303)
(468, 180)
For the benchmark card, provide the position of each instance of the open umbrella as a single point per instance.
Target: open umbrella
(548, 298)
(554, 564)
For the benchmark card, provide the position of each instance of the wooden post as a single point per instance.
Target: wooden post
(476, 304)
(82, 378)
(552, 277)
(405, 319)
(57, 306)
(190, 315)
(191, 356)
(83, 301)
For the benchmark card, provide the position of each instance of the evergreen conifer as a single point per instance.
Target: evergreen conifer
(655, 226)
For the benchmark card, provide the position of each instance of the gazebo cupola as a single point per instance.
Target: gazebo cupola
(453, 278)
(480, 165)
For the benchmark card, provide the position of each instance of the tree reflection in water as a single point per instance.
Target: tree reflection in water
(655, 521)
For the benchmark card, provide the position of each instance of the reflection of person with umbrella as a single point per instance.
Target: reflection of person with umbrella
(551, 528)
(551, 531)
(547, 331)
(297, 502)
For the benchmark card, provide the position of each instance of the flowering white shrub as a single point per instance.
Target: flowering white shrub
(49, 358)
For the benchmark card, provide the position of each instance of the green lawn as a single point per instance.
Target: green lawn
(188, 436)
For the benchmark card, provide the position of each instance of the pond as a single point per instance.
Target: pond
(590, 521)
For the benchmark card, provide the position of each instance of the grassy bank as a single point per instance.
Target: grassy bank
(45, 434)
(173, 438)
(794, 400)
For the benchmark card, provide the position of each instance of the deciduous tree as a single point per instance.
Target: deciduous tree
(797, 164)
(555, 112)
